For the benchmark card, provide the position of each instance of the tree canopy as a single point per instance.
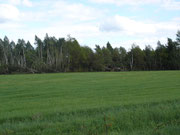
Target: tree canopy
(61, 55)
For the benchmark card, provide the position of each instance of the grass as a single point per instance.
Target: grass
(113, 103)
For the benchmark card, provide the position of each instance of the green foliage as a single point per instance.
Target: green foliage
(107, 57)
(60, 55)
(149, 58)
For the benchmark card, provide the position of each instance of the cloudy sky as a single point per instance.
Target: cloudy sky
(121, 22)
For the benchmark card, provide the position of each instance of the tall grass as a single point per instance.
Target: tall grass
(146, 119)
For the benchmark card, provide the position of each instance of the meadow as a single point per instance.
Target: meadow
(94, 103)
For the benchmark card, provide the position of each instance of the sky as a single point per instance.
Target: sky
(91, 22)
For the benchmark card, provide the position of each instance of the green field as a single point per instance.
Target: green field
(113, 103)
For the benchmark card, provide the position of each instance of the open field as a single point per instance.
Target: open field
(113, 103)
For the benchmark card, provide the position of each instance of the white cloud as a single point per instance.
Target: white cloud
(14, 2)
(133, 27)
(127, 25)
(8, 13)
(27, 3)
(126, 2)
(171, 4)
(60, 19)
(74, 11)
(168, 4)
(124, 31)
(88, 24)
(61, 11)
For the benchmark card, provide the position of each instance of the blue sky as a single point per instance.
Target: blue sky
(121, 22)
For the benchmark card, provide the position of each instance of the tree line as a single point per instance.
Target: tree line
(66, 55)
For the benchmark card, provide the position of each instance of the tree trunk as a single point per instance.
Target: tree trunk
(131, 62)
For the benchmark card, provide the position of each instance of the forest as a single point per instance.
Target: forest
(67, 55)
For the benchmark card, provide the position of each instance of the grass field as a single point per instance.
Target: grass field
(113, 103)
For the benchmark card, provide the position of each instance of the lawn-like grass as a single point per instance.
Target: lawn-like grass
(91, 103)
